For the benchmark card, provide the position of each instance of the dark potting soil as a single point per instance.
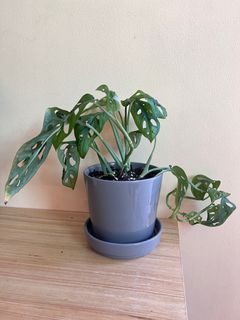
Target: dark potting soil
(131, 175)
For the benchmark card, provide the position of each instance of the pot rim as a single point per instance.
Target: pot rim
(85, 172)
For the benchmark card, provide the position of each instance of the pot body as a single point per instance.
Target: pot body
(122, 211)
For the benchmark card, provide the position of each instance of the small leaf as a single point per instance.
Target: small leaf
(111, 100)
(135, 137)
(103, 88)
(70, 160)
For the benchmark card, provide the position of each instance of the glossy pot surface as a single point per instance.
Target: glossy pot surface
(122, 211)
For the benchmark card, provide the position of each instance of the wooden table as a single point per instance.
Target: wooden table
(47, 271)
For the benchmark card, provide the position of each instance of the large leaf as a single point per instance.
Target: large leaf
(71, 119)
(69, 158)
(217, 214)
(201, 184)
(33, 153)
(111, 100)
(146, 111)
(84, 135)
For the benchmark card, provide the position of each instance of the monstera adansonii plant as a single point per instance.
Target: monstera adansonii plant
(73, 133)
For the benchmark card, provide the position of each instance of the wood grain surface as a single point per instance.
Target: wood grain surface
(47, 271)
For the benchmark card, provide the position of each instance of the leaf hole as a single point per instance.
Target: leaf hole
(13, 180)
(62, 147)
(154, 122)
(66, 128)
(139, 111)
(41, 153)
(144, 125)
(36, 145)
(72, 162)
(91, 132)
(71, 176)
(21, 163)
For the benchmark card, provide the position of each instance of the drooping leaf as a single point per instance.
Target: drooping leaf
(217, 214)
(84, 135)
(111, 100)
(71, 119)
(182, 185)
(33, 153)
(26, 163)
(202, 184)
(69, 158)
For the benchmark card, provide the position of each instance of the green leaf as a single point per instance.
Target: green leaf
(217, 214)
(146, 111)
(32, 154)
(214, 194)
(69, 158)
(84, 135)
(201, 184)
(71, 118)
(182, 185)
(135, 137)
(111, 100)
(27, 161)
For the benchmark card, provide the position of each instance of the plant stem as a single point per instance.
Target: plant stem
(119, 125)
(106, 144)
(118, 141)
(146, 167)
(104, 163)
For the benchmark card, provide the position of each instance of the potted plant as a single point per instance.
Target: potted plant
(123, 195)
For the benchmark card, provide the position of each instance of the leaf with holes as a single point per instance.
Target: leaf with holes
(84, 135)
(146, 111)
(135, 137)
(218, 214)
(182, 185)
(71, 118)
(201, 185)
(69, 158)
(111, 100)
(27, 161)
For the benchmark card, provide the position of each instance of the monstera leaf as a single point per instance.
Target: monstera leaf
(135, 137)
(218, 214)
(71, 119)
(201, 184)
(111, 100)
(182, 185)
(84, 135)
(146, 111)
(33, 153)
(69, 158)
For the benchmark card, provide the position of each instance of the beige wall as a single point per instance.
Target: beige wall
(186, 53)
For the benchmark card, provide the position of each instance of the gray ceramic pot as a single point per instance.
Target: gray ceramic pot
(122, 211)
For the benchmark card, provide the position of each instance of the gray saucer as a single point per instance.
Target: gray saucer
(123, 250)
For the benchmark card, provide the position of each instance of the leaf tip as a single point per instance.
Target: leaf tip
(6, 198)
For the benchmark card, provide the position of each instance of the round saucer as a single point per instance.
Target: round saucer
(123, 250)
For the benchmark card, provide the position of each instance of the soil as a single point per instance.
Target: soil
(131, 175)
